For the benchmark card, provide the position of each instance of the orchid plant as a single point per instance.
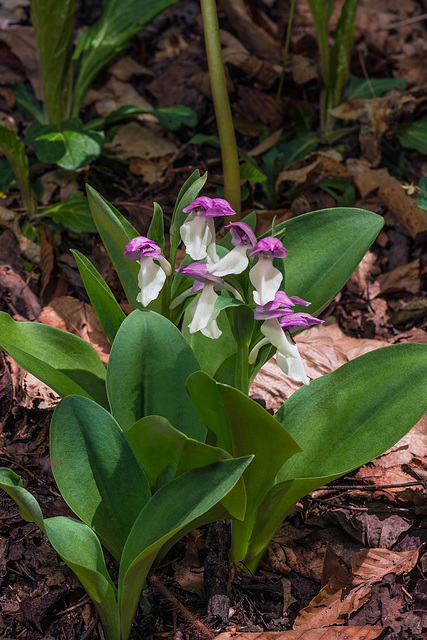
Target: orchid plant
(170, 417)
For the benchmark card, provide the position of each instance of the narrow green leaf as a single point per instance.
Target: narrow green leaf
(413, 135)
(28, 104)
(341, 51)
(67, 143)
(103, 301)
(374, 88)
(171, 510)
(171, 118)
(116, 232)
(342, 421)
(96, 470)
(242, 427)
(14, 150)
(149, 363)
(74, 213)
(343, 192)
(61, 360)
(121, 20)
(28, 506)
(250, 172)
(422, 195)
(156, 230)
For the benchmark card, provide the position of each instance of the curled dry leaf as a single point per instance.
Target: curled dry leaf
(236, 54)
(133, 140)
(339, 598)
(18, 295)
(77, 317)
(406, 278)
(331, 633)
(314, 167)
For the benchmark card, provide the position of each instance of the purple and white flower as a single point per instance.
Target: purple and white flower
(204, 316)
(279, 320)
(153, 267)
(236, 260)
(198, 230)
(264, 276)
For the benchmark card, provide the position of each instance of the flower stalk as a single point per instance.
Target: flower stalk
(227, 137)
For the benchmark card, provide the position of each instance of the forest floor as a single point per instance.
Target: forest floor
(351, 557)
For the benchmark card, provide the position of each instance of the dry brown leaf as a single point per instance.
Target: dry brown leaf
(28, 248)
(358, 282)
(315, 166)
(134, 140)
(52, 282)
(406, 278)
(17, 294)
(235, 53)
(255, 38)
(402, 206)
(330, 633)
(338, 598)
(22, 42)
(304, 69)
(116, 93)
(79, 318)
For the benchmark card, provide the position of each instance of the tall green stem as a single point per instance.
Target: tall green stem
(230, 160)
(285, 60)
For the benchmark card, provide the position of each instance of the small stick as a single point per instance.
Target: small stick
(179, 608)
(404, 23)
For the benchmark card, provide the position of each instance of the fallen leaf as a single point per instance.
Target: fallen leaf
(17, 293)
(134, 140)
(404, 278)
(323, 633)
(52, 282)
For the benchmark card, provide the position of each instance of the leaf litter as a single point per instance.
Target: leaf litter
(350, 560)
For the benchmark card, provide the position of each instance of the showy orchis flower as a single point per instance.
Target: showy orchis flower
(202, 310)
(152, 275)
(236, 261)
(265, 278)
(198, 230)
(277, 333)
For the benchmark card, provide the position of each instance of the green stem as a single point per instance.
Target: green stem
(285, 60)
(242, 369)
(230, 160)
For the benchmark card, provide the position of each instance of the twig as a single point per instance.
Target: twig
(6, 456)
(375, 487)
(179, 608)
(404, 23)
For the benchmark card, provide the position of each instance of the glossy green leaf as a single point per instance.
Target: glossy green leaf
(74, 213)
(80, 549)
(343, 192)
(372, 88)
(171, 510)
(242, 427)
(342, 421)
(28, 505)
(14, 150)
(103, 301)
(54, 31)
(165, 453)
(28, 104)
(171, 118)
(7, 176)
(61, 360)
(121, 20)
(250, 172)
(324, 248)
(116, 232)
(96, 470)
(67, 143)
(149, 363)
(422, 195)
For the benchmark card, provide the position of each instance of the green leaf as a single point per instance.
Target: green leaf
(7, 176)
(375, 87)
(28, 104)
(242, 427)
(74, 213)
(413, 135)
(116, 232)
(149, 363)
(103, 301)
(28, 506)
(165, 453)
(121, 20)
(171, 510)
(96, 470)
(343, 192)
(77, 545)
(250, 172)
(54, 31)
(342, 421)
(171, 118)
(156, 230)
(14, 150)
(422, 195)
(80, 549)
(67, 144)
(61, 360)
(341, 51)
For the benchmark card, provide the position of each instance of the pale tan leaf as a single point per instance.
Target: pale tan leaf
(330, 633)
